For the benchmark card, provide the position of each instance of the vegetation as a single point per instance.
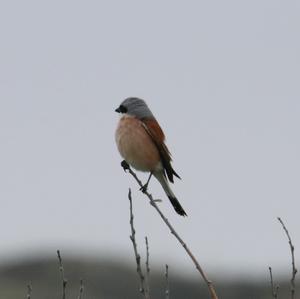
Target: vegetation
(105, 279)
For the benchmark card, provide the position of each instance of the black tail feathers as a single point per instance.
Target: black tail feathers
(177, 206)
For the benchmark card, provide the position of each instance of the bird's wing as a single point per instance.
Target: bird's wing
(157, 135)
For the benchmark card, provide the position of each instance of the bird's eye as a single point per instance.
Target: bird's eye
(123, 109)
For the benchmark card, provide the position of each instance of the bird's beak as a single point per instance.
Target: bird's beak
(118, 110)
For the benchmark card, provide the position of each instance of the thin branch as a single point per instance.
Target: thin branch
(62, 271)
(147, 266)
(167, 292)
(81, 289)
(294, 270)
(29, 291)
(143, 288)
(273, 288)
(209, 283)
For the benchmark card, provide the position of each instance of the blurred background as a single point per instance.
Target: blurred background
(222, 78)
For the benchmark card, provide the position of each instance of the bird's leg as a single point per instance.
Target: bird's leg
(125, 165)
(144, 187)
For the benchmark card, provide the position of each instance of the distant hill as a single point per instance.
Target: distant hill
(113, 280)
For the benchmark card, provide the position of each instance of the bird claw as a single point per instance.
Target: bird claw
(144, 188)
(125, 165)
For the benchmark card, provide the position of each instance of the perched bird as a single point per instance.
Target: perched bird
(140, 141)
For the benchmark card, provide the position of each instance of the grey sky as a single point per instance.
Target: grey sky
(222, 78)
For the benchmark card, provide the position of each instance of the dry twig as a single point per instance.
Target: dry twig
(29, 291)
(81, 289)
(167, 292)
(294, 270)
(209, 283)
(62, 271)
(273, 288)
(143, 285)
(147, 266)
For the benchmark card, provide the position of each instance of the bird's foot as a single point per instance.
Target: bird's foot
(125, 165)
(144, 188)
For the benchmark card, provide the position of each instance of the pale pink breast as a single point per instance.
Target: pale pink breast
(135, 145)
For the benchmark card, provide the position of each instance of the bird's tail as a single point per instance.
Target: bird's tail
(174, 201)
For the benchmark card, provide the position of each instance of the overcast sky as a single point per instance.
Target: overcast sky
(222, 78)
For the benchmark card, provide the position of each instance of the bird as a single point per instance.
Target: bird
(141, 143)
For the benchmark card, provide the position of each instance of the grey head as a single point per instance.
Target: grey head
(135, 107)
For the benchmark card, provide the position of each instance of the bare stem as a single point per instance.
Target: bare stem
(81, 289)
(273, 288)
(147, 266)
(143, 288)
(209, 283)
(62, 271)
(29, 291)
(294, 270)
(167, 292)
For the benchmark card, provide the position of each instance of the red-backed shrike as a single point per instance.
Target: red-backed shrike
(140, 141)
